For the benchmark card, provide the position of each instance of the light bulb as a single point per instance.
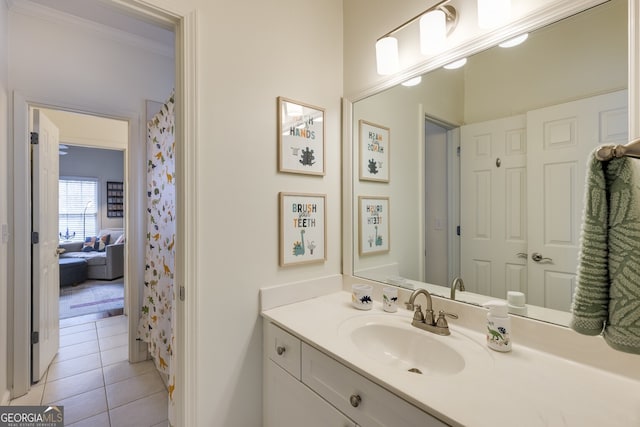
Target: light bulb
(387, 56)
(433, 31)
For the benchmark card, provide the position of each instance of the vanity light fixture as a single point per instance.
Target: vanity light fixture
(456, 64)
(515, 41)
(412, 82)
(492, 13)
(433, 31)
(436, 23)
(387, 55)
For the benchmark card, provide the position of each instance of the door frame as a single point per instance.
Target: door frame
(22, 224)
(184, 21)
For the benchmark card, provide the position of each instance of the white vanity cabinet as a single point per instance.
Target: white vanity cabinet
(287, 401)
(312, 389)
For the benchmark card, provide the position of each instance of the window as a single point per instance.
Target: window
(78, 208)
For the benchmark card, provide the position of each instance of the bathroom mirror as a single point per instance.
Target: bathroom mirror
(486, 164)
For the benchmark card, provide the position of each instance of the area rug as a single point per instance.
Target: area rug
(91, 296)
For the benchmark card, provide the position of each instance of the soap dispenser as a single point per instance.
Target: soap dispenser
(498, 326)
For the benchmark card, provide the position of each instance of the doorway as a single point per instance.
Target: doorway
(74, 93)
(441, 201)
(91, 219)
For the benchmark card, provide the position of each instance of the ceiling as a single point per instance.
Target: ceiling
(109, 14)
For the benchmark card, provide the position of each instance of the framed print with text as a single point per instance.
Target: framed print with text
(300, 138)
(374, 152)
(303, 233)
(373, 221)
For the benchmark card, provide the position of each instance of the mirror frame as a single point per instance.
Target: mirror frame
(538, 19)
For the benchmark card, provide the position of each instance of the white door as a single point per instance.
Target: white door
(493, 214)
(560, 140)
(45, 268)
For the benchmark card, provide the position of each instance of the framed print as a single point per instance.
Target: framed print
(303, 234)
(300, 138)
(374, 152)
(373, 230)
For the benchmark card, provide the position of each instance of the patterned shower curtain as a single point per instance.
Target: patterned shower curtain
(158, 310)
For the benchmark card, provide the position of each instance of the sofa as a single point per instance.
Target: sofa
(107, 264)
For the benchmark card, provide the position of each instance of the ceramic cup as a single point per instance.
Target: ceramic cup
(390, 299)
(362, 296)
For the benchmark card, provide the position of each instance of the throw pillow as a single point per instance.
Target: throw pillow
(89, 244)
(102, 242)
(119, 240)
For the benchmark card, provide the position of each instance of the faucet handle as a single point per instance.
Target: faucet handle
(442, 321)
(417, 315)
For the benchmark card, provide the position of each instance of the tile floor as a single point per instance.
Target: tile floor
(95, 383)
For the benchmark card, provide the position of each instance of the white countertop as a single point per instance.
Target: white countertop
(524, 387)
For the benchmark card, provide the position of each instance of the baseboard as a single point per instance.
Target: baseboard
(6, 398)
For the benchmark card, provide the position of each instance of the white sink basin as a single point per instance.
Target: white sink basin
(392, 341)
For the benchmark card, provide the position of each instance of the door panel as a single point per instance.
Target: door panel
(493, 206)
(532, 203)
(561, 138)
(45, 268)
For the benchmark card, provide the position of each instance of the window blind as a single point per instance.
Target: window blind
(77, 208)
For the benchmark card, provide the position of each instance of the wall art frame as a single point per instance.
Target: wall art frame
(115, 199)
(373, 225)
(374, 152)
(303, 231)
(301, 137)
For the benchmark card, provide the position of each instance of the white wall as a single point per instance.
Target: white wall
(248, 54)
(105, 165)
(4, 200)
(54, 62)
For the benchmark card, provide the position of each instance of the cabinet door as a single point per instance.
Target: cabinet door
(283, 348)
(368, 404)
(289, 403)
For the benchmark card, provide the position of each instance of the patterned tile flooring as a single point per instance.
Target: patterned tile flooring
(91, 377)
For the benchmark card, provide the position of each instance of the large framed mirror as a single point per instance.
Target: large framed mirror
(487, 163)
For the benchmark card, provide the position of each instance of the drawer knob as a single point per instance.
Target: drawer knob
(280, 350)
(355, 400)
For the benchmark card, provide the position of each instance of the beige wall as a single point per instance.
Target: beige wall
(506, 82)
(402, 110)
(90, 131)
(496, 83)
(367, 20)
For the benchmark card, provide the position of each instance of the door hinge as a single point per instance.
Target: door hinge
(181, 292)
(35, 237)
(35, 138)
(35, 337)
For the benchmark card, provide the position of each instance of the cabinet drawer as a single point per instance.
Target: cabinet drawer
(283, 348)
(376, 406)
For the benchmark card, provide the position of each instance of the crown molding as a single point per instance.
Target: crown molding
(28, 8)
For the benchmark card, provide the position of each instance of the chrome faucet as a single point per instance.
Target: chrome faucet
(427, 320)
(459, 283)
